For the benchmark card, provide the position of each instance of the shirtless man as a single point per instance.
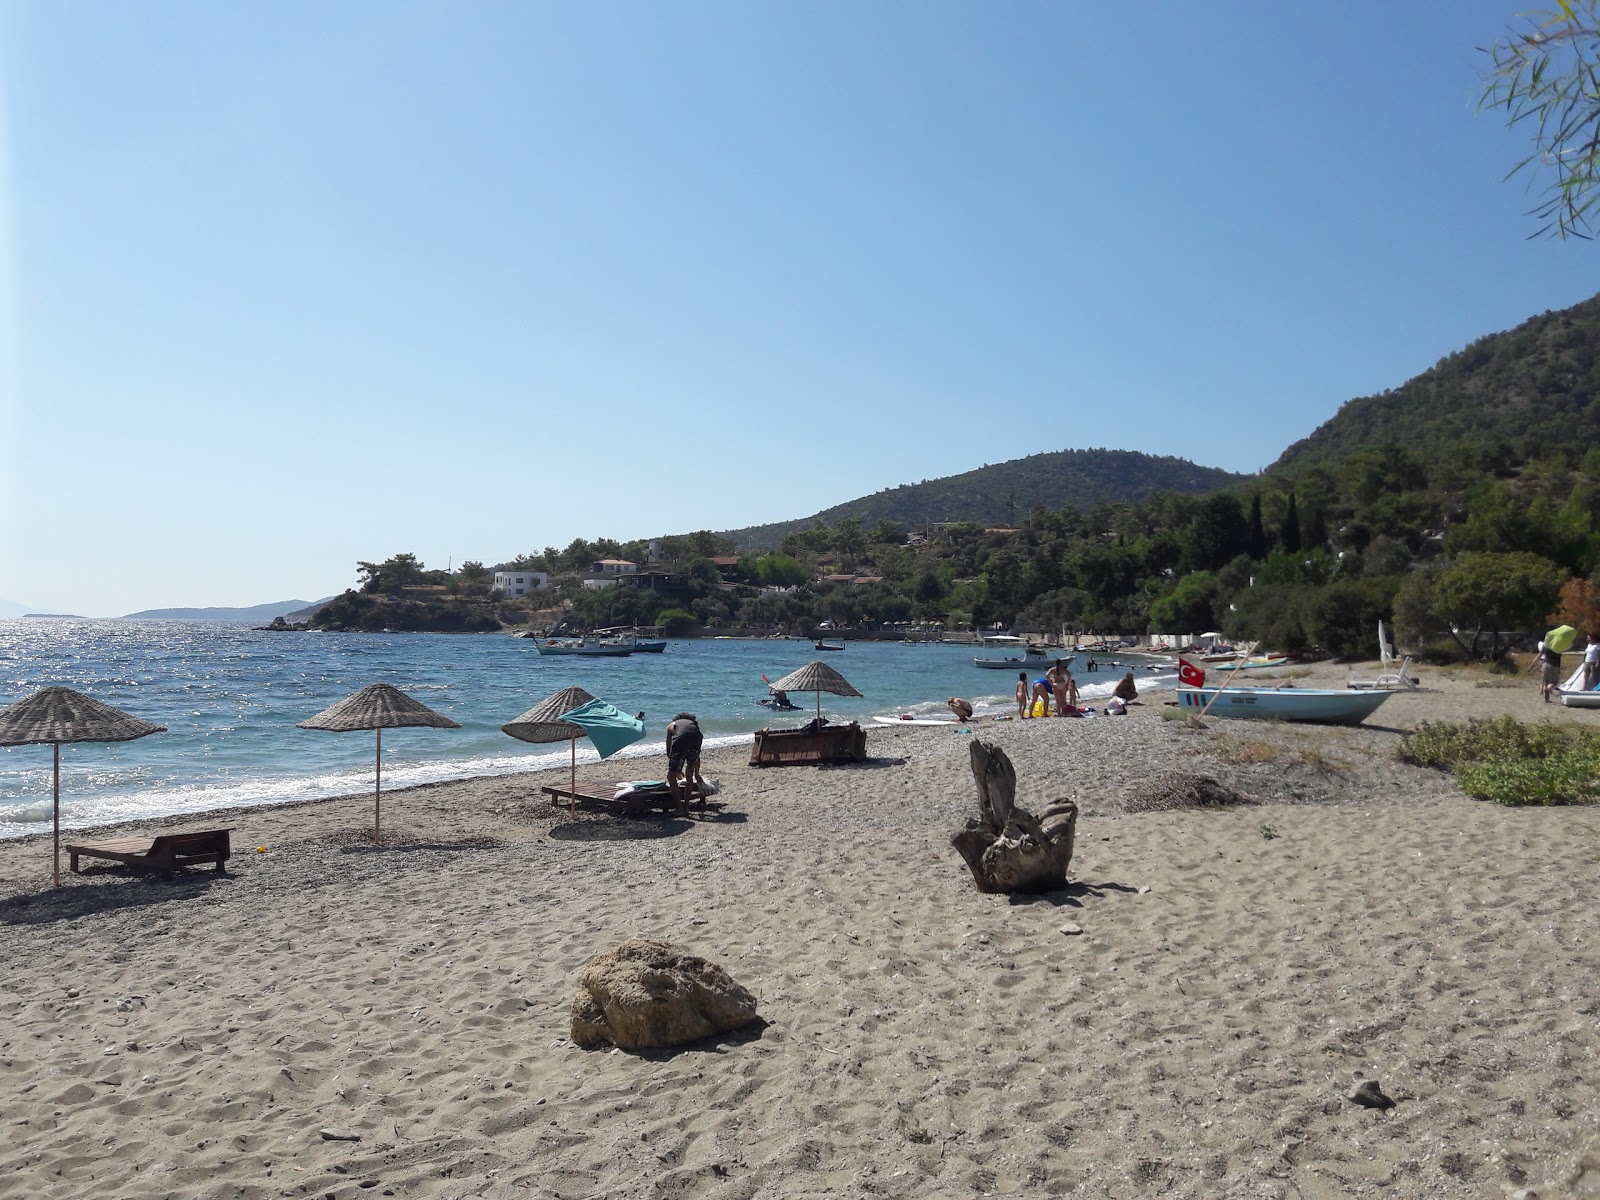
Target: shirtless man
(683, 758)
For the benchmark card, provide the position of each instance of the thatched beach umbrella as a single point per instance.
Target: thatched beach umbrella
(816, 677)
(380, 706)
(59, 714)
(542, 722)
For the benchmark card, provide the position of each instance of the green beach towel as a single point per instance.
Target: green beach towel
(608, 727)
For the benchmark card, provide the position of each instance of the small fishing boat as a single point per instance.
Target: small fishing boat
(829, 646)
(630, 638)
(1033, 658)
(588, 647)
(1323, 706)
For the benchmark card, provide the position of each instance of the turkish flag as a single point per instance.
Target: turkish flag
(1190, 675)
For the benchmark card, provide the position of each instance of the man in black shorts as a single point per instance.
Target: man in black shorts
(683, 758)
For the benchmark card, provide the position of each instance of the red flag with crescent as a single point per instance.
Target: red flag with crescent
(1190, 675)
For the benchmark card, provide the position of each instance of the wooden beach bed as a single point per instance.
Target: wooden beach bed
(166, 852)
(604, 791)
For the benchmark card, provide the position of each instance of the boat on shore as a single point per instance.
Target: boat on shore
(1322, 706)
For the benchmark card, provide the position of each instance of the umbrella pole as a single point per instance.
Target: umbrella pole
(377, 793)
(56, 874)
(572, 794)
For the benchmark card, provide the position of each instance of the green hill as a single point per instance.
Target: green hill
(1004, 493)
(1517, 395)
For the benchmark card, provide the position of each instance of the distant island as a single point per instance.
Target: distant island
(56, 616)
(289, 609)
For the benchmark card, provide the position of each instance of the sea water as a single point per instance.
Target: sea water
(229, 697)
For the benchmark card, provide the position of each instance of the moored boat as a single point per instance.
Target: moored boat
(829, 646)
(1323, 706)
(589, 647)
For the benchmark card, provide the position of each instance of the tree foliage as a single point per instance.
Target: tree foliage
(1545, 79)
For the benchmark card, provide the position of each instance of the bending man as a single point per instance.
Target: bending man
(683, 758)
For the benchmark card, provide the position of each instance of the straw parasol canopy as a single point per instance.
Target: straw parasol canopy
(540, 724)
(59, 714)
(818, 677)
(379, 706)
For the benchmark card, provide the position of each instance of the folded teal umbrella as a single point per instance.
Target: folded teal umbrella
(608, 727)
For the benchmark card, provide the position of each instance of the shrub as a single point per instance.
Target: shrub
(675, 622)
(1510, 762)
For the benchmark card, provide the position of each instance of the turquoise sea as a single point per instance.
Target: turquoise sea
(230, 696)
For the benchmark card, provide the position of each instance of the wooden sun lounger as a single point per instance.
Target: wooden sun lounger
(604, 791)
(167, 852)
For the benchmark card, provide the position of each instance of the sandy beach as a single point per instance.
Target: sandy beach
(333, 1019)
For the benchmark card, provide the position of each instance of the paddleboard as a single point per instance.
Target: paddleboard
(914, 721)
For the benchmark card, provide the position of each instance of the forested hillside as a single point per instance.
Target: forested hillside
(1504, 399)
(1463, 507)
(1002, 494)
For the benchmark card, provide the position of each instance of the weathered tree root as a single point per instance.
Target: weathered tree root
(1007, 848)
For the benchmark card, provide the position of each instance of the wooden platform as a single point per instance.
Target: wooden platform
(801, 747)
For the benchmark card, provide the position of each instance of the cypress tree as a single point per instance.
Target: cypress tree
(1256, 539)
(1316, 530)
(1291, 528)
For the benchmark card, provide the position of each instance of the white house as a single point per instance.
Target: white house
(615, 566)
(520, 583)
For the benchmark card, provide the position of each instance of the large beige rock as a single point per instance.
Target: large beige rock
(645, 993)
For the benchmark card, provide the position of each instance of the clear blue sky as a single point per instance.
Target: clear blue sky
(284, 286)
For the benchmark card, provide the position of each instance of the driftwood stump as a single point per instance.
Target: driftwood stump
(1008, 848)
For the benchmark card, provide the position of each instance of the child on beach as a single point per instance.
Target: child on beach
(1066, 693)
(1022, 694)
